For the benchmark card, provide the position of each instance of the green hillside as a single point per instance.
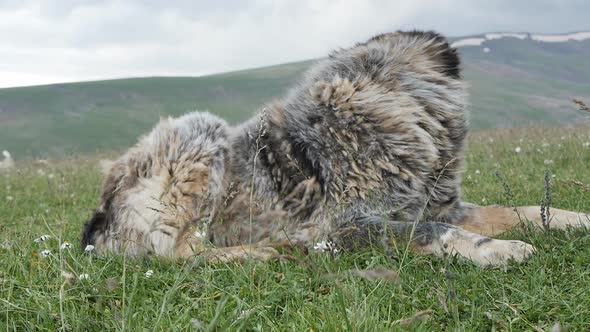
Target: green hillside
(517, 83)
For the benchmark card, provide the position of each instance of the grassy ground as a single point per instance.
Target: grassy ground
(317, 293)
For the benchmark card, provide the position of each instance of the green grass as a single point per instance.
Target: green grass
(313, 294)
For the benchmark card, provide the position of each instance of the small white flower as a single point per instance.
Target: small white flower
(483, 200)
(553, 175)
(42, 238)
(326, 245)
(89, 248)
(83, 276)
(51, 176)
(323, 246)
(477, 171)
(65, 245)
(198, 235)
(548, 162)
(586, 144)
(149, 273)
(517, 150)
(9, 198)
(40, 172)
(46, 253)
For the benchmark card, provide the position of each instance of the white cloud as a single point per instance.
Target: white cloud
(65, 40)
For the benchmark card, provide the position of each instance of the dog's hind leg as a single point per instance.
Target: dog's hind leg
(439, 239)
(493, 220)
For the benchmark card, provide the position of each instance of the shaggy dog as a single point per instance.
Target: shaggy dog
(366, 150)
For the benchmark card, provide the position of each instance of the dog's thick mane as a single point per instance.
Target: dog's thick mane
(372, 121)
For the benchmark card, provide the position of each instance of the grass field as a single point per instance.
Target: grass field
(317, 293)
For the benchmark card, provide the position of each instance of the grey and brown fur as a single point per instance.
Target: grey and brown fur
(366, 149)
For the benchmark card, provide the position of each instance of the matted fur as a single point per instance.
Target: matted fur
(367, 149)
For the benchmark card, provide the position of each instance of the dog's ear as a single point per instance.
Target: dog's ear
(440, 50)
(434, 45)
(96, 225)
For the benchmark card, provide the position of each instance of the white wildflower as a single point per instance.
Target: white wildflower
(477, 171)
(42, 238)
(548, 162)
(65, 245)
(517, 150)
(9, 198)
(51, 176)
(553, 175)
(83, 276)
(320, 246)
(483, 200)
(199, 235)
(586, 144)
(46, 253)
(326, 245)
(89, 248)
(40, 172)
(149, 273)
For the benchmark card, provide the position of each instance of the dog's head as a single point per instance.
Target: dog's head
(174, 176)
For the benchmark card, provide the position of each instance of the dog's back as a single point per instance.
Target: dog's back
(377, 125)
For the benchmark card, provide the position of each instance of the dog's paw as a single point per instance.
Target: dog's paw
(501, 252)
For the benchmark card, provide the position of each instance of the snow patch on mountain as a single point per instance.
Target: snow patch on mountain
(579, 36)
(555, 38)
(492, 36)
(468, 42)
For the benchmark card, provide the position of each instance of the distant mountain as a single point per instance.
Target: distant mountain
(516, 80)
(520, 79)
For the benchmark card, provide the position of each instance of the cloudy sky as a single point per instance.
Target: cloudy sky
(51, 41)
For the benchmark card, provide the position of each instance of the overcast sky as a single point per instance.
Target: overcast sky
(51, 41)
